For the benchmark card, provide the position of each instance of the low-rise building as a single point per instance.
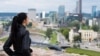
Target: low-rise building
(88, 35)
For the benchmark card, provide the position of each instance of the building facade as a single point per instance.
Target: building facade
(88, 35)
(93, 11)
(72, 34)
(98, 13)
(43, 15)
(32, 14)
(61, 10)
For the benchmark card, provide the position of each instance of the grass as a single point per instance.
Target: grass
(3, 39)
(53, 39)
(41, 31)
(82, 52)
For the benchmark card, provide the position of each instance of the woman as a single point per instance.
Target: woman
(19, 37)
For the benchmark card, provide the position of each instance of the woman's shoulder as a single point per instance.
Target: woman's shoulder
(23, 31)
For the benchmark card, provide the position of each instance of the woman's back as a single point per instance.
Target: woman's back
(19, 37)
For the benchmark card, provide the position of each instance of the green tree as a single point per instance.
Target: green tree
(77, 38)
(95, 28)
(65, 32)
(30, 24)
(85, 26)
(49, 32)
(75, 23)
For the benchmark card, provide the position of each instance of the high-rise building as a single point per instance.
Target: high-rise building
(77, 7)
(61, 11)
(93, 11)
(80, 10)
(98, 14)
(43, 14)
(32, 14)
(53, 17)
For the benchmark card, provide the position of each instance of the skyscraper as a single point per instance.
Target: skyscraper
(32, 14)
(98, 14)
(80, 10)
(77, 7)
(61, 10)
(43, 14)
(53, 16)
(93, 11)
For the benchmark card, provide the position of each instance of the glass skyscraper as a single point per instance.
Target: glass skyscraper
(61, 11)
(98, 13)
(93, 11)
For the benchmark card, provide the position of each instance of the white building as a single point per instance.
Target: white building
(52, 26)
(32, 14)
(43, 14)
(72, 34)
(90, 23)
(88, 35)
(67, 14)
(95, 21)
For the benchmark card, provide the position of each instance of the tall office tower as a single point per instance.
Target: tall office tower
(77, 7)
(32, 14)
(93, 11)
(80, 10)
(61, 11)
(98, 14)
(53, 17)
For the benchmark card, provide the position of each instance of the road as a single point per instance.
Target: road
(90, 46)
(37, 38)
(61, 39)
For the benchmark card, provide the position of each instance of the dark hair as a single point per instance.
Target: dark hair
(17, 21)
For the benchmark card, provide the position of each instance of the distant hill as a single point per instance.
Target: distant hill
(7, 14)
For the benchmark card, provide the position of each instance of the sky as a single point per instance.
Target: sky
(45, 5)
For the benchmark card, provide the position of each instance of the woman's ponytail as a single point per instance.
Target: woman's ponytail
(17, 21)
(14, 26)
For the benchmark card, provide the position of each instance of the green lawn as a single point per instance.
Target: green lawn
(53, 39)
(82, 52)
(3, 39)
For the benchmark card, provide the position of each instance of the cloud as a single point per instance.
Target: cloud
(45, 5)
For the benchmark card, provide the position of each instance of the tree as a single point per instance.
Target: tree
(65, 32)
(30, 24)
(49, 32)
(85, 26)
(77, 38)
(75, 23)
(95, 28)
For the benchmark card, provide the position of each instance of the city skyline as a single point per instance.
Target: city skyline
(44, 5)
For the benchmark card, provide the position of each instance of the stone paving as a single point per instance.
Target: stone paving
(42, 52)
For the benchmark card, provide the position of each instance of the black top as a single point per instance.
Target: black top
(21, 43)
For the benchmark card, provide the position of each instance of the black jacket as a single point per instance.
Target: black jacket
(21, 43)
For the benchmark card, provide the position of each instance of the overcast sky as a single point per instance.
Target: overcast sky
(45, 5)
